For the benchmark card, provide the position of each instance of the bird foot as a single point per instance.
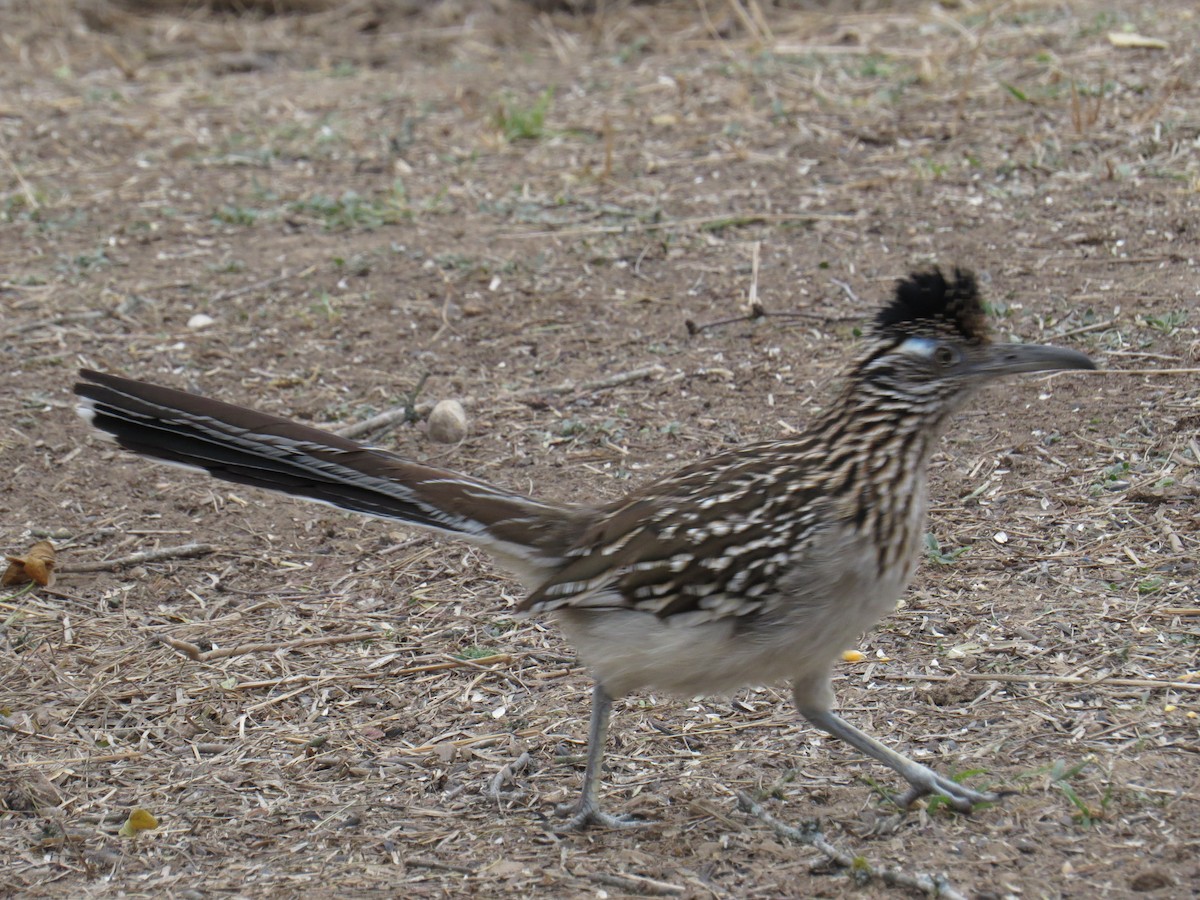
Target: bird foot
(926, 782)
(589, 815)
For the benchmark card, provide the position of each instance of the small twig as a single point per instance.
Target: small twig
(31, 200)
(1083, 329)
(753, 314)
(477, 740)
(846, 287)
(609, 145)
(183, 551)
(637, 884)
(405, 412)
(699, 221)
(757, 311)
(596, 384)
(1051, 679)
(191, 651)
(752, 297)
(259, 285)
(748, 22)
(1133, 354)
(694, 329)
(1132, 372)
(507, 775)
(402, 413)
(128, 69)
(18, 593)
(480, 663)
(76, 760)
(6, 725)
(420, 862)
(859, 868)
(187, 648)
(64, 319)
(1177, 611)
(1127, 260)
(976, 38)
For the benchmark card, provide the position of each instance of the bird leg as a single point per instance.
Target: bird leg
(922, 779)
(586, 810)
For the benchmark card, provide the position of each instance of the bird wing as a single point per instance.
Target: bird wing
(705, 544)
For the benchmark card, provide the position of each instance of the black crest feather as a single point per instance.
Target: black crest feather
(927, 302)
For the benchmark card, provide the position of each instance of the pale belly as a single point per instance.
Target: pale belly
(822, 608)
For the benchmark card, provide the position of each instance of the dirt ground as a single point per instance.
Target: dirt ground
(317, 214)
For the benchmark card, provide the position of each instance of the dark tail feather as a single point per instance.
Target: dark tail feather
(253, 448)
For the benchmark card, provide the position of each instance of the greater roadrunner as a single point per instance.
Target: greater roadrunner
(752, 566)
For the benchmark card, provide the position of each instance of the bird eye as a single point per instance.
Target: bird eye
(945, 356)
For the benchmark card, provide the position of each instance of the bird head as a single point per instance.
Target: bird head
(930, 345)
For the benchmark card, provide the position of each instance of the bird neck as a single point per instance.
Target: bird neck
(872, 420)
(875, 446)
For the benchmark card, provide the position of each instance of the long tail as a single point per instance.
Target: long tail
(244, 446)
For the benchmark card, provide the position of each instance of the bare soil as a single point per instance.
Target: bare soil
(528, 208)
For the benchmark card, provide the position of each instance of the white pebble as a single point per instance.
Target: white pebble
(200, 320)
(448, 422)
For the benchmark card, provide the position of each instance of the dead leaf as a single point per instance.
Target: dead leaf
(505, 868)
(955, 692)
(1128, 40)
(962, 651)
(36, 565)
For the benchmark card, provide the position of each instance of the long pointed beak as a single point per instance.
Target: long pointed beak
(1012, 359)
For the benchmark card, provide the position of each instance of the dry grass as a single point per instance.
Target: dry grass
(360, 198)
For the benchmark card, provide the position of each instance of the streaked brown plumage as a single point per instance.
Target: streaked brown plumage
(755, 565)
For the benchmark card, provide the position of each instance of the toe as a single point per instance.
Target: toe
(594, 818)
(958, 796)
(589, 815)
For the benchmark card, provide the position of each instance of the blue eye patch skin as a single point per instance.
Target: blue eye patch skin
(922, 347)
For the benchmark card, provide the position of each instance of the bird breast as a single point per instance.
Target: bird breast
(817, 610)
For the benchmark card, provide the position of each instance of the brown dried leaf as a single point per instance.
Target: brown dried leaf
(36, 565)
